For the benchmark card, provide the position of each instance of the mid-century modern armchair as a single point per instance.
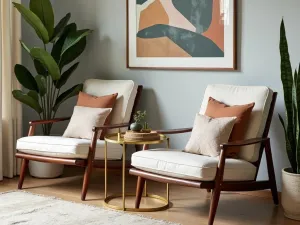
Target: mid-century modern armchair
(217, 173)
(82, 152)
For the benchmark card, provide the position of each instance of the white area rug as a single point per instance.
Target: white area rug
(24, 208)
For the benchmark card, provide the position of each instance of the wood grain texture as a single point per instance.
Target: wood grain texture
(56, 120)
(244, 142)
(175, 131)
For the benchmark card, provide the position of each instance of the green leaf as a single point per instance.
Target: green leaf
(47, 60)
(297, 119)
(25, 47)
(40, 69)
(34, 21)
(34, 95)
(25, 77)
(27, 100)
(73, 53)
(287, 82)
(288, 145)
(42, 84)
(57, 47)
(58, 30)
(66, 95)
(43, 9)
(73, 38)
(65, 76)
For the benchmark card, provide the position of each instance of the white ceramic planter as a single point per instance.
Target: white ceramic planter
(290, 196)
(45, 170)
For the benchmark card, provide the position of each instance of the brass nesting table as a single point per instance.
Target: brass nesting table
(118, 138)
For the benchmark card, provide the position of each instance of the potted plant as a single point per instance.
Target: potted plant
(291, 88)
(42, 89)
(138, 117)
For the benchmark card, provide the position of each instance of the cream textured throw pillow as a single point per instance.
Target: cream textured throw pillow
(208, 134)
(84, 119)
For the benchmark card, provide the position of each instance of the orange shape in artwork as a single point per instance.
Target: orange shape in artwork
(216, 30)
(159, 47)
(152, 15)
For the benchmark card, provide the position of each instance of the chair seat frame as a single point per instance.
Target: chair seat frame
(88, 163)
(218, 184)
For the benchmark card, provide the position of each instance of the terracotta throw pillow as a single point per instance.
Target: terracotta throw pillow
(107, 101)
(216, 109)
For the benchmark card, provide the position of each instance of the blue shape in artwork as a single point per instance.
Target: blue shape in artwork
(198, 12)
(140, 2)
(193, 43)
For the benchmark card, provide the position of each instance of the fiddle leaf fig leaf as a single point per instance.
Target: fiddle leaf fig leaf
(58, 30)
(67, 94)
(73, 53)
(34, 21)
(57, 47)
(40, 69)
(47, 60)
(34, 95)
(43, 9)
(27, 100)
(25, 77)
(65, 76)
(73, 38)
(41, 82)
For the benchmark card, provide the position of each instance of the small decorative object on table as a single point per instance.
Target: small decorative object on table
(141, 136)
(138, 118)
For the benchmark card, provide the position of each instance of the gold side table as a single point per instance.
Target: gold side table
(118, 138)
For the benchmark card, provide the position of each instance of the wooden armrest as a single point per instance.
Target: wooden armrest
(113, 126)
(175, 131)
(244, 142)
(37, 122)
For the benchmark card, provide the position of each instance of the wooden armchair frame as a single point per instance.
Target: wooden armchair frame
(218, 184)
(88, 163)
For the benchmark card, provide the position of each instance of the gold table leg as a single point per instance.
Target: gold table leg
(123, 176)
(105, 170)
(123, 195)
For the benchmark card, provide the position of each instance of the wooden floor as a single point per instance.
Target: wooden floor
(189, 206)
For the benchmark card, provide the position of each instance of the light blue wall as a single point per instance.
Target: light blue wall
(172, 98)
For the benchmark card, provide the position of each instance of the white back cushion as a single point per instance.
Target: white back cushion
(240, 95)
(126, 90)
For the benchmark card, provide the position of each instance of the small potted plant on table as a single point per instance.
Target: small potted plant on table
(139, 117)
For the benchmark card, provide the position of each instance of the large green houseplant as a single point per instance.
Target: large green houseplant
(53, 68)
(291, 89)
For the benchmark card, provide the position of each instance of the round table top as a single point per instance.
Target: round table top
(118, 138)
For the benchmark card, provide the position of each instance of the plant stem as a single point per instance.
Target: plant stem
(53, 100)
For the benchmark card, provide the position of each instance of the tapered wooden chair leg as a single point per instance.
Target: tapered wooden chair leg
(139, 191)
(214, 205)
(271, 173)
(22, 172)
(86, 181)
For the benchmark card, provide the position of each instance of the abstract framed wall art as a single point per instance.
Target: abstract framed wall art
(181, 34)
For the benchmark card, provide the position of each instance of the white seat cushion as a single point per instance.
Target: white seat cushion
(240, 95)
(189, 166)
(62, 147)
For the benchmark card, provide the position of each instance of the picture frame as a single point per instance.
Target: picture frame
(177, 39)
